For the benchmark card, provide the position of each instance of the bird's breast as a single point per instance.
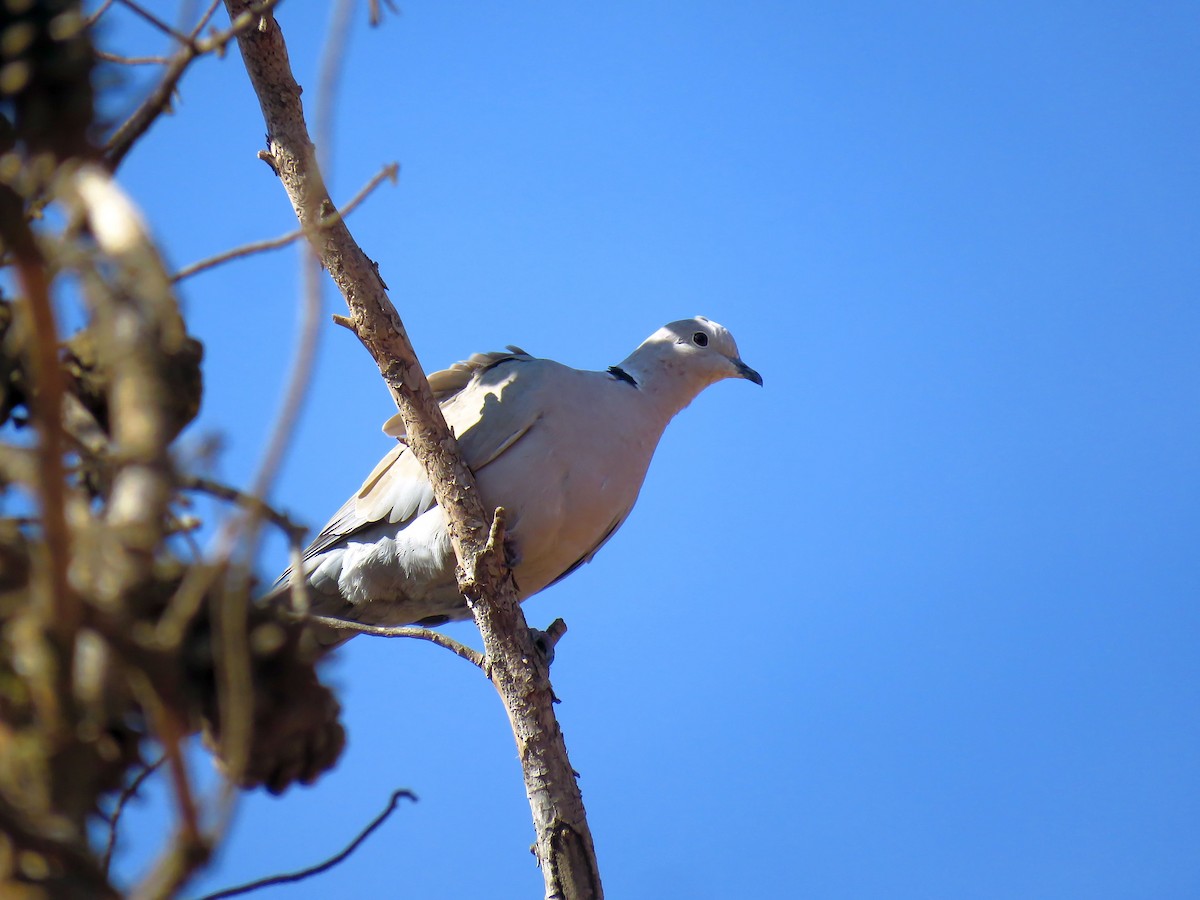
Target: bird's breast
(564, 498)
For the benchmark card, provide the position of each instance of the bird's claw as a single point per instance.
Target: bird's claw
(512, 552)
(544, 645)
(545, 641)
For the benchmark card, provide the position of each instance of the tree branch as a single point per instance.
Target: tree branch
(388, 172)
(564, 844)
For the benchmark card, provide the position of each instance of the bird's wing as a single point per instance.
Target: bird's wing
(470, 393)
(447, 383)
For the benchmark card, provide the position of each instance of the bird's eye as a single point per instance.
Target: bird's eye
(700, 339)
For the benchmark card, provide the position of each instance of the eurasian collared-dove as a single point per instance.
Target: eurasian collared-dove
(564, 451)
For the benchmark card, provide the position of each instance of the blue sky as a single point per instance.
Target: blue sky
(919, 618)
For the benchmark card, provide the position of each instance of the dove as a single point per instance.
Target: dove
(564, 451)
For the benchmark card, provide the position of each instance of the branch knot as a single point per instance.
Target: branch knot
(488, 568)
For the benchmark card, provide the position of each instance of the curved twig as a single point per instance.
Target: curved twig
(126, 795)
(334, 860)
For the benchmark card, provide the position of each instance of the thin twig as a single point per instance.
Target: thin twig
(388, 172)
(185, 525)
(250, 502)
(241, 536)
(300, 875)
(158, 23)
(152, 107)
(103, 8)
(207, 16)
(402, 631)
(126, 795)
(132, 60)
(123, 139)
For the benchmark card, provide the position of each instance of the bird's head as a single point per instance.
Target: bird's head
(699, 350)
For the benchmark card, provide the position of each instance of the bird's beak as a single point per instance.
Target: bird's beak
(746, 372)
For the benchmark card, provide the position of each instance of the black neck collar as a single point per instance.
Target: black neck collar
(621, 375)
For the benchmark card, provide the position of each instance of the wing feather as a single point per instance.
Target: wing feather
(447, 383)
(486, 421)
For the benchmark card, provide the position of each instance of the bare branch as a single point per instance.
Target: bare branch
(238, 253)
(402, 631)
(157, 22)
(337, 859)
(389, 173)
(564, 843)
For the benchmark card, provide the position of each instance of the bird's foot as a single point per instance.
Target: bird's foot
(512, 552)
(545, 641)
